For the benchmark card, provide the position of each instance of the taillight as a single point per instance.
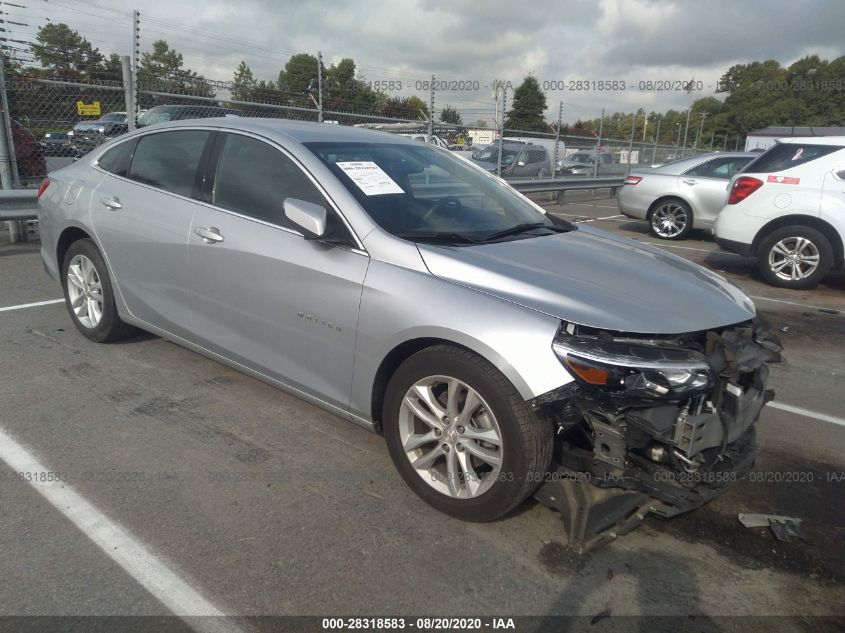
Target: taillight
(743, 187)
(43, 187)
(632, 180)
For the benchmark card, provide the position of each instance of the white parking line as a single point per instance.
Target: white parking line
(823, 417)
(610, 217)
(793, 303)
(116, 542)
(31, 305)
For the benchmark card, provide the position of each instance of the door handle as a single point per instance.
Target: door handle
(112, 202)
(690, 182)
(211, 234)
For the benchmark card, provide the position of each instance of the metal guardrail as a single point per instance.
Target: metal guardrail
(572, 183)
(22, 204)
(18, 204)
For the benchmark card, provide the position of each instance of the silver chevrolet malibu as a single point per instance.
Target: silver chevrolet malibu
(501, 351)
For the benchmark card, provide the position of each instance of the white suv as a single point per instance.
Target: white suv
(787, 209)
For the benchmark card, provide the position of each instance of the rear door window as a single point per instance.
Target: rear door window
(169, 160)
(787, 155)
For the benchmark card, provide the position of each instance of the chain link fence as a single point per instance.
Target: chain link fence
(50, 122)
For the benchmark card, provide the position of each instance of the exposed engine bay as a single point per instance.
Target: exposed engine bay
(653, 423)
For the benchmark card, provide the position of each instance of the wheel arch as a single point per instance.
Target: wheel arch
(811, 221)
(664, 198)
(400, 352)
(68, 236)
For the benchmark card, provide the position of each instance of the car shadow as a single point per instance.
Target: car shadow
(597, 574)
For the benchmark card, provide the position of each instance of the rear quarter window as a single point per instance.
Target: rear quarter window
(787, 155)
(116, 160)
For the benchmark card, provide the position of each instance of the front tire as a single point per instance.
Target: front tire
(797, 257)
(89, 296)
(670, 220)
(461, 436)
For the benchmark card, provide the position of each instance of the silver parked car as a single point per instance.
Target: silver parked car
(680, 196)
(409, 291)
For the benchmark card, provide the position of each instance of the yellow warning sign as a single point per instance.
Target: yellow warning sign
(88, 109)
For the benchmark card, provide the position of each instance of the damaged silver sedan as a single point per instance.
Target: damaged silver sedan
(502, 352)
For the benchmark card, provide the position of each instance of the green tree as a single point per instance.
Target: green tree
(297, 81)
(162, 70)
(243, 83)
(451, 115)
(65, 54)
(529, 104)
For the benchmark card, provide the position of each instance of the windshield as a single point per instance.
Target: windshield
(491, 155)
(152, 117)
(579, 158)
(416, 191)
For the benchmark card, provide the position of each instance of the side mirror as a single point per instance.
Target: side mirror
(520, 163)
(309, 217)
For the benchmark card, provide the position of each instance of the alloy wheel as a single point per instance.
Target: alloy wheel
(451, 437)
(669, 220)
(794, 258)
(85, 291)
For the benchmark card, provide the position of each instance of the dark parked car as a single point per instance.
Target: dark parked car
(86, 135)
(518, 159)
(165, 113)
(56, 144)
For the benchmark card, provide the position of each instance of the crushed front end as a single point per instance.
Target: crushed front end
(652, 423)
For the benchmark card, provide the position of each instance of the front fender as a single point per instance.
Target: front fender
(515, 339)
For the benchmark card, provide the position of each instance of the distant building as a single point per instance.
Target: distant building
(765, 138)
(482, 136)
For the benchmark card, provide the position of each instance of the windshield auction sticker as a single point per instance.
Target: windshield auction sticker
(370, 178)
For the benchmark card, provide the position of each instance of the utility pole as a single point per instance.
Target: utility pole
(557, 137)
(712, 136)
(128, 90)
(645, 124)
(686, 129)
(6, 179)
(502, 131)
(598, 145)
(700, 130)
(630, 142)
(656, 139)
(131, 117)
(319, 87)
(725, 145)
(431, 112)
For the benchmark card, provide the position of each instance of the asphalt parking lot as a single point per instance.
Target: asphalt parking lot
(256, 503)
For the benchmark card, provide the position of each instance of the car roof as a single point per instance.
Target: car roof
(814, 140)
(300, 131)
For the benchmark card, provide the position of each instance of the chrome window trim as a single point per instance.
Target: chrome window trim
(359, 248)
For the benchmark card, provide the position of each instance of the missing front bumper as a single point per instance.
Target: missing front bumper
(618, 459)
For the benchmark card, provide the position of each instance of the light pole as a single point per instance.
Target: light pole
(678, 141)
(798, 94)
(656, 140)
(700, 130)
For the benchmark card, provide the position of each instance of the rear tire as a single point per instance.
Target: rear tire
(670, 220)
(797, 257)
(89, 296)
(455, 469)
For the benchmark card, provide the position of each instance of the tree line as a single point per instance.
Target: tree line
(811, 91)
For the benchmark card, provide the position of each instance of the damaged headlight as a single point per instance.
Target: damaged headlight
(632, 369)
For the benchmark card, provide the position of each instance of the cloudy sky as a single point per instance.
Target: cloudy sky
(625, 41)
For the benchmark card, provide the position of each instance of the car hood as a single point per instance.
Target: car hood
(593, 278)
